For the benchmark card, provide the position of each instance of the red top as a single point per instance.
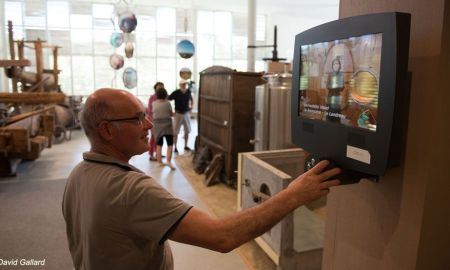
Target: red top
(150, 106)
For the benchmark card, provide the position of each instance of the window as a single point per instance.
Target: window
(13, 12)
(57, 14)
(83, 29)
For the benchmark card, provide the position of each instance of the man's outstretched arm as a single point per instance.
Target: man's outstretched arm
(225, 234)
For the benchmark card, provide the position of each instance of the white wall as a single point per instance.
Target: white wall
(296, 21)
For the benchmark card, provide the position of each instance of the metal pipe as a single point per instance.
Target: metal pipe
(251, 34)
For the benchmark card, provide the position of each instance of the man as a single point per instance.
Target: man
(119, 218)
(183, 105)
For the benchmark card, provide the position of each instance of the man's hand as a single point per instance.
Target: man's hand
(311, 185)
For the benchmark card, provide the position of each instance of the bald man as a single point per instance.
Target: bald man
(117, 217)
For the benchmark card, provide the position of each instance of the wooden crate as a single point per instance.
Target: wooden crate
(296, 242)
(226, 115)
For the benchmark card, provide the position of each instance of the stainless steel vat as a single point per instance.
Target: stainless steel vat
(273, 113)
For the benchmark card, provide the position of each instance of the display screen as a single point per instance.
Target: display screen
(339, 81)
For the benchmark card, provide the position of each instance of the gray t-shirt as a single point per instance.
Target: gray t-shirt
(162, 118)
(162, 109)
(117, 217)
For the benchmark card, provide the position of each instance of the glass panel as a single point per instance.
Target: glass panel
(104, 74)
(222, 47)
(264, 52)
(146, 24)
(239, 47)
(145, 44)
(65, 76)
(225, 63)
(205, 44)
(60, 38)
(166, 73)
(35, 14)
(18, 33)
(82, 8)
(260, 65)
(205, 22)
(83, 75)
(32, 34)
(260, 27)
(166, 46)
(57, 14)
(102, 11)
(102, 16)
(222, 23)
(13, 12)
(165, 21)
(239, 65)
(141, 10)
(81, 21)
(81, 41)
(240, 23)
(101, 42)
(146, 69)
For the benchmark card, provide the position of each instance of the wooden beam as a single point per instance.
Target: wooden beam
(13, 55)
(32, 98)
(39, 64)
(15, 63)
(22, 116)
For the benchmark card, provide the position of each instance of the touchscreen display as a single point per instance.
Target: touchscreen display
(339, 81)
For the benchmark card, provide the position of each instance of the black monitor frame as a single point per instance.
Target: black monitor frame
(331, 140)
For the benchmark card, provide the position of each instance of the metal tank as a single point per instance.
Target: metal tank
(273, 113)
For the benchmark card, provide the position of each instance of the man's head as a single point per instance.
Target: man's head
(183, 85)
(114, 121)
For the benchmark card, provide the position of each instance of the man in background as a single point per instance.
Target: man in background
(183, 105)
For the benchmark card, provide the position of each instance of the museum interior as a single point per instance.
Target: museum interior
(268, 90)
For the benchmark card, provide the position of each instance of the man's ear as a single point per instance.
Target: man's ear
(105, 131)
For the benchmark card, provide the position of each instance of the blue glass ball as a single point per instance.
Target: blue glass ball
(116, 40)
(185, 49)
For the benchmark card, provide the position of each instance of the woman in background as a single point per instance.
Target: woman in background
(151, 142)
(162, 126)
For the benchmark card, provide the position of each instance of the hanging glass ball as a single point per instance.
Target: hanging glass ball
(129, 49)
(127, 21)
(185, 73)
(116, 39)
(185, 49)
(116, 61)
(129, 78)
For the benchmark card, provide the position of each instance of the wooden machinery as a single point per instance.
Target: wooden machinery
(27, 114)
(23, 137)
